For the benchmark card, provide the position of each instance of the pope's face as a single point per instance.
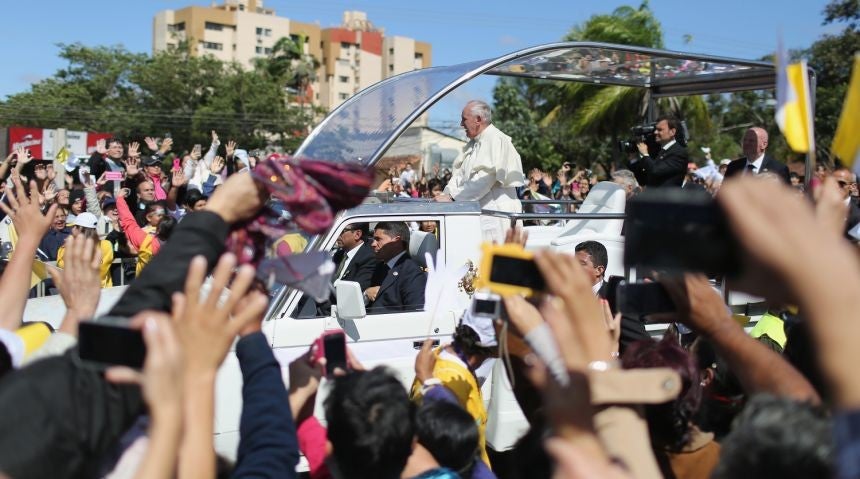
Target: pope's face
(470, 123)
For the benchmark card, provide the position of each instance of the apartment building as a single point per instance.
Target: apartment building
(352, 57)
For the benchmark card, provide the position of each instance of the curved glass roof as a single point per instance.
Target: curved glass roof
(363, 127)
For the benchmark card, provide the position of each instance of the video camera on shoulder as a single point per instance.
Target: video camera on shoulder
(679, 230)
(645, 134)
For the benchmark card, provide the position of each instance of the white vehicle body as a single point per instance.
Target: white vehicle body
(364, 127)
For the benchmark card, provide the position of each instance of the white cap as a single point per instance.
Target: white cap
(725, 161)
(483, 327)
(86, 220)
(242, 155)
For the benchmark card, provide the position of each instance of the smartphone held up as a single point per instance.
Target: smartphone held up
(109, 341)
(676, 229)
(332, 346)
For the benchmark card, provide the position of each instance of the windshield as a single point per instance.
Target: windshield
(365, 126)
(362, 125)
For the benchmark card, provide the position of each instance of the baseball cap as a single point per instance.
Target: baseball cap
(725, 161)
(151, 161)
(86, 220)
(483, 327)
(108, 202)
(241, 155)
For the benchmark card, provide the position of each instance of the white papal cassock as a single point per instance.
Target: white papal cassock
(488, 170)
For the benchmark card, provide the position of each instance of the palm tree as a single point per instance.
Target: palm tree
(609, 112)
(289, 62)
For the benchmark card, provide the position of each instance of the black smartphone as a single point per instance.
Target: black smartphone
(334, 348)
(679, 230)
(612, 283)
(643, 298)
(109, 341)
(516, 271)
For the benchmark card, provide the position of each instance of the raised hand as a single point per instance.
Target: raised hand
(425, 361)
(217, 165)
(178, 178)
(204, 326)
(132, 166)
(239, 198)
(101, 146)
(196, 152)
(88, 180)
(231, 148)
(151, 143)
(164, 391)
(101, 181)
(584, 315)
(517, 235)
(25, 212)
(166, 145)
(50, 192)
(134, 150)
(23, 155)
(215, 139)
(79, 281)
(161, 379)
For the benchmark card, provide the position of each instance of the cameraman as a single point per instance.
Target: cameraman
(670, 166)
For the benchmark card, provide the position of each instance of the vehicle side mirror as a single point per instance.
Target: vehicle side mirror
(350, 300)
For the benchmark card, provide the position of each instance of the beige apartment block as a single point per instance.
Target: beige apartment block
(352, 56)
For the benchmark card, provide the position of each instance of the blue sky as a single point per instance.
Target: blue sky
(459, 31)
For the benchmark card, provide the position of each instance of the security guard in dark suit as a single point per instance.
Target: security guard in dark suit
(398, 282)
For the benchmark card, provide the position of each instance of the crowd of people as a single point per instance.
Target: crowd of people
(128, 201)
(602, 399)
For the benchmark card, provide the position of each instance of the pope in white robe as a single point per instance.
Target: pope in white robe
(488, 170)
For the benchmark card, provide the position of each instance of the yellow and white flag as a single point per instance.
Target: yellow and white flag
(846, 143)
(793, 108)
(63, 155)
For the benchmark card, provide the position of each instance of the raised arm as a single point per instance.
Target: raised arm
(31, 226)
(133, 231)
(758, 368)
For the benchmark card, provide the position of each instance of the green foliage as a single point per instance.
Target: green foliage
(134, 95)
(582, 123)
(832, 58)
(513, 116)
(626, 25)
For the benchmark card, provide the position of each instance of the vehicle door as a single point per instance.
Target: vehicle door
(390, 339)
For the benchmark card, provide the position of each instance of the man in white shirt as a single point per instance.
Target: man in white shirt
(354, 260)
(488, 170)
(593, 258)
